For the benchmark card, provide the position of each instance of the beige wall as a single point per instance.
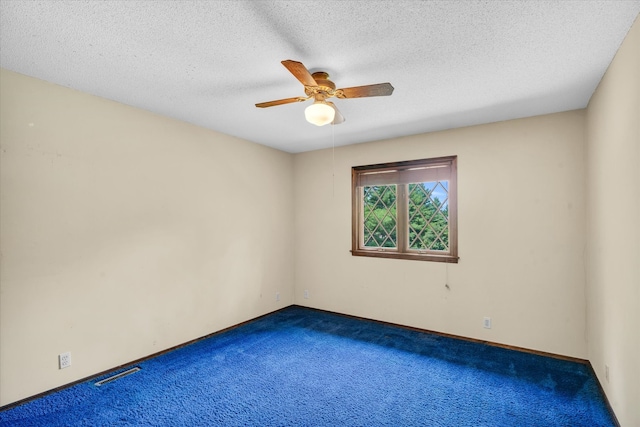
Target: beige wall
(521, 245)
(613, 230)
(124, 233)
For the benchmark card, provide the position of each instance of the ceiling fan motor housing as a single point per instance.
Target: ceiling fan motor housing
(320, 88)
(325, 88)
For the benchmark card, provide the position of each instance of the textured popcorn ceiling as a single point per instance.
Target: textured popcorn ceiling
(452, 63)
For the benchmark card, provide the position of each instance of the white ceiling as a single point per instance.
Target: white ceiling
(452, 63)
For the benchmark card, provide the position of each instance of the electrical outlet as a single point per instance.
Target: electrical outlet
(487, 323)
(64, 360)
(606, 372)
(277, 296)
(306, 294)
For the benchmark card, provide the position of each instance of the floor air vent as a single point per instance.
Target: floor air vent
(117, 376)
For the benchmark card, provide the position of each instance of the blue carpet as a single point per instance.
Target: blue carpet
(301, 367)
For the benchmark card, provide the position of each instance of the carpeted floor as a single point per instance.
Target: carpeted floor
(301, 367)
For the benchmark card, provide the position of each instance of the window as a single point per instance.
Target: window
(406, 210)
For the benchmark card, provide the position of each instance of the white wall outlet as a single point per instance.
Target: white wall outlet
(64, 360)
(606, 372)
(306, 294)
(277, 296)
(487, 322)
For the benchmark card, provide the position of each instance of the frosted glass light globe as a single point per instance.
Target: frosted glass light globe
(319, 113)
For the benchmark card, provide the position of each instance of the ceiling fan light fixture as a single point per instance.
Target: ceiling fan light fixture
(319, 87)
(319, 113)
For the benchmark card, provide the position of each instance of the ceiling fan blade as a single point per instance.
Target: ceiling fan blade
(380, 89)
(281, 102)
(300, 72)
(339, 118)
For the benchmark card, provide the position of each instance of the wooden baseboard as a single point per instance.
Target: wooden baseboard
(137, 361)
(458, 337)
(129, 364)
(606, 399)
(494, 344)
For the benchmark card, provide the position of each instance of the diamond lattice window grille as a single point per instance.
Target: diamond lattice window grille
(379, 216)
(428, 225)
(406, 210)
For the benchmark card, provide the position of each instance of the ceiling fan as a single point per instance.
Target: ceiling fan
(320, 88)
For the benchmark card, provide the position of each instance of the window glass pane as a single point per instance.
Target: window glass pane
(406, 210)
(428, 212)
(380, 220)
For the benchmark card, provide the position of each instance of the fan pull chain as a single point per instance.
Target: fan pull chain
(333, 161)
